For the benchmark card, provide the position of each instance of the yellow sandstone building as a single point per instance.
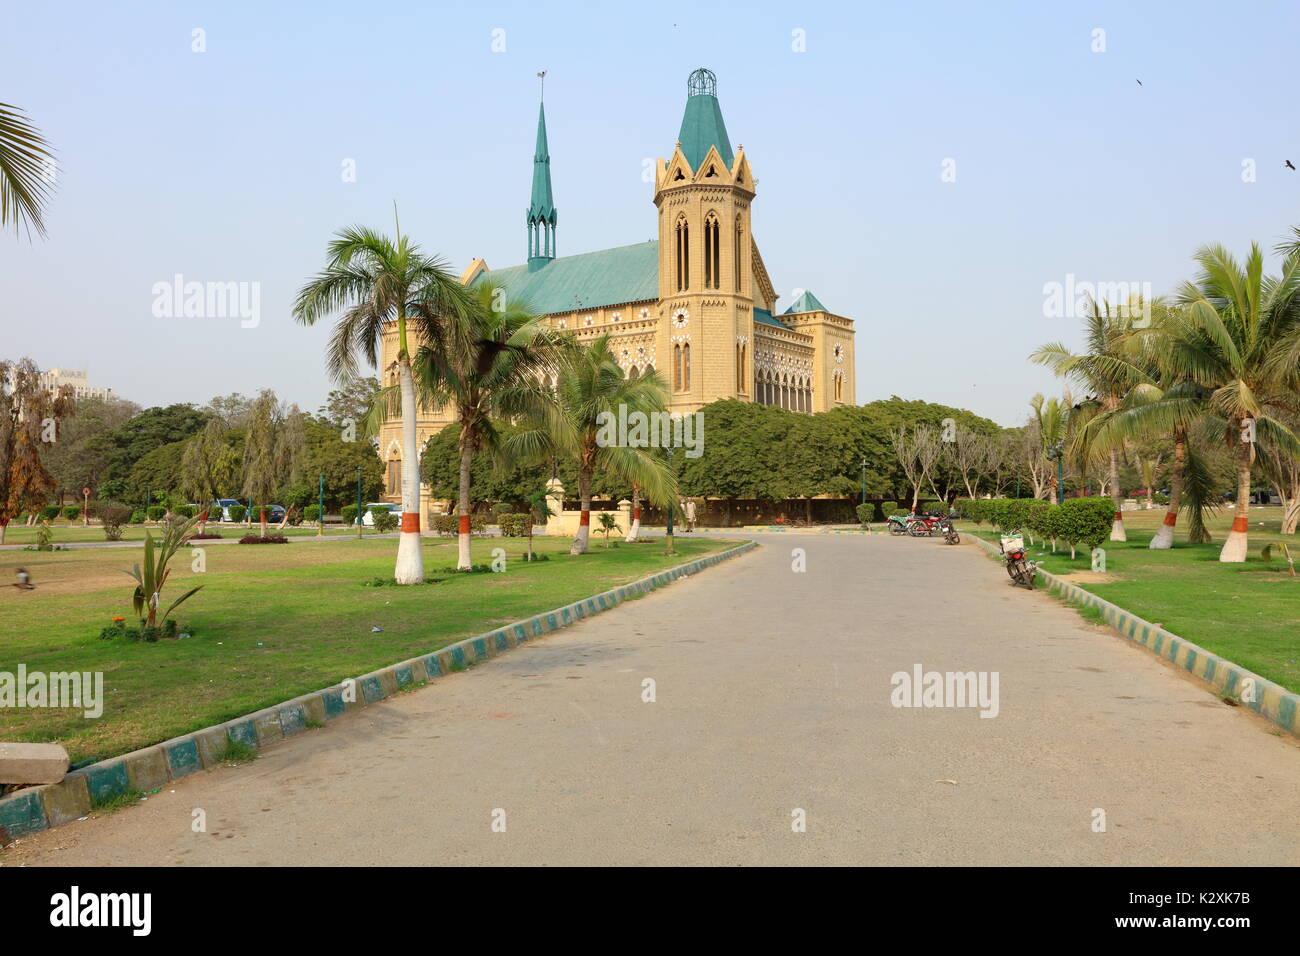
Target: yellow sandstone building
(698, 304)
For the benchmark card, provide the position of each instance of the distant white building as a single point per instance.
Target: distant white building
(77, 379)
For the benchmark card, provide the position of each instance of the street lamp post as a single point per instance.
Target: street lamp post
(864, 480)
(669, 532)
(320, 515)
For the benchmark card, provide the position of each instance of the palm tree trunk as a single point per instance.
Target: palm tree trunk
(1290, 513)
(1164, 538)
(634, 528)
(1234, 549)
(1117, 527)
(203, 522)
(581, 539)
(462, 507)
(4, 526)
(261, 518)
(410, 563)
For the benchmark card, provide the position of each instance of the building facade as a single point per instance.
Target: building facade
(697, 304)
(77, 380)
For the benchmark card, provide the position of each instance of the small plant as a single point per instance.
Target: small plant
(109, 804)
(205, 536)
(384, 520)
(472, 569)
(44, 536)
(608, 523)
(150, 579)
(259, 539)
(236, 751)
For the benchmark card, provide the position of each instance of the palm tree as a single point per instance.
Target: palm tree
(490, 366)
(25, 164)
(1238, 337)
(1051, 422)
(591, 388)
(376, 281)
(1105, 369)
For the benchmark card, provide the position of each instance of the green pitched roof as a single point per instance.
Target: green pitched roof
(764, 317)
(702, 124)
(806, 303)
(586, 281)
(542, 205)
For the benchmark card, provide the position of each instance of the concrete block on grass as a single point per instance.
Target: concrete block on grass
(212, 743)
(106, 780)
(182, 757)
(269, 729)
(32, 763)
(292, 718)
(146, 769)
(21, 814)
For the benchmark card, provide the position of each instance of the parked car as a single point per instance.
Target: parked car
(369, 520)
(274, 514)
(222, 510)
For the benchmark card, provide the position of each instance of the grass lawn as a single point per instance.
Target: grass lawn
(1248, 613)
(272, 622)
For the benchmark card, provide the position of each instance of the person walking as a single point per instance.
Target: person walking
(689, 510)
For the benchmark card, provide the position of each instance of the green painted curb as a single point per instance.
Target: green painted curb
(1226, 679)
(38, 808)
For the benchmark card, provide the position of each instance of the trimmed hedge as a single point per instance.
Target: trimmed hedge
(865, 513)
(311, 513)
(515, 525)
(349, 513)
(237, 513)
(71, 512)
(50, 512)
(156, 512)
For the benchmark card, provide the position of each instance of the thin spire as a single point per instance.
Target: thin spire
(541, 207)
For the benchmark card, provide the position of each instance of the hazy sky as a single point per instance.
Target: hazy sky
(227, 165)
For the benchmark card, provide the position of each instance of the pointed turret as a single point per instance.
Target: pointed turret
(702, 124)
(541, 208)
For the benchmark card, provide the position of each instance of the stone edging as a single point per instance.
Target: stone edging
(1271, 701)
(37, 808)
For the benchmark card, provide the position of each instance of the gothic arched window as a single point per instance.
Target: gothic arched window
(712, 253)
(683, 254)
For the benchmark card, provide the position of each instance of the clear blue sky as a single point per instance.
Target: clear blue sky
(226, 165)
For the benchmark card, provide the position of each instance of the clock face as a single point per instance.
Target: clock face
(839, 353)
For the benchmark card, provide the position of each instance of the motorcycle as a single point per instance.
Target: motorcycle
(950, 535)
(898, 524)
(1020, 571)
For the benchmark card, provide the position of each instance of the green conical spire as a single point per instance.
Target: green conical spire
(702, 124)
(541, 208)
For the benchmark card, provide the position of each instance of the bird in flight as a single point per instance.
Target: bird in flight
(1139, 82)
(1290, 165)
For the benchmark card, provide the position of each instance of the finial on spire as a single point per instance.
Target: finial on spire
(702, 82)
(542, 76)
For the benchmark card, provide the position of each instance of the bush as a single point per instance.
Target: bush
(865, 513)
(444, 524)
(384, 520)
(185, 511)
(1036, 510)
(113, 515)
(156, 512)
(514, 525)
(1086, 522)
(237, 513)
(349, 513)
(258, 539)
(71, 512)
(478, 524)
(294, 517)
(1015, 514)
(50, 512)
(502, 508)
(311, 513)
(137, 516)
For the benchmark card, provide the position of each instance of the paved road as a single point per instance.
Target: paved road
(773, 693)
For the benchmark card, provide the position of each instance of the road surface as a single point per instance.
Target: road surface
(772, 704)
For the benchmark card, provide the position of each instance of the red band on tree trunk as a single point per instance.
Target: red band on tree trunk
(585, 519)
(410, 522)
(636, 514)
(1118, 516)
(1240, 524)
(464, 524)
(1171, 518)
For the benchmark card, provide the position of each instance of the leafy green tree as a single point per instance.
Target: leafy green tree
(374, 281)
(209, 466)
(80, 457)
(28, 412)
(150, 429)
(350, 403)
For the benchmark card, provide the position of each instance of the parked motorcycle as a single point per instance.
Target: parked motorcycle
(1021, 572)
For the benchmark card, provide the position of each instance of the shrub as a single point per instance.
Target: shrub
(137, 516)
(49, 512)
(502, 508)
(206, 536)
(1036, 516)
(444, 524)
(311, 513)
(71, 512)
(349, 513)
(1015, 513)
(294, 517)
(112, 515)
(974, 510)
(865, 513)
(478, 524)
(237, 513)
(156, 512)
(1086, 522)
(385, 521)
(514, 525)
(185, 511)
(258, 539)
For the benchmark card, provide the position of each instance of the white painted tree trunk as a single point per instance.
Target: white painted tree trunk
(581, 539)
(1234, 549)
(410, 562)
(634, 526)
(463, 561)
(1117, 532)
(1164, 538)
